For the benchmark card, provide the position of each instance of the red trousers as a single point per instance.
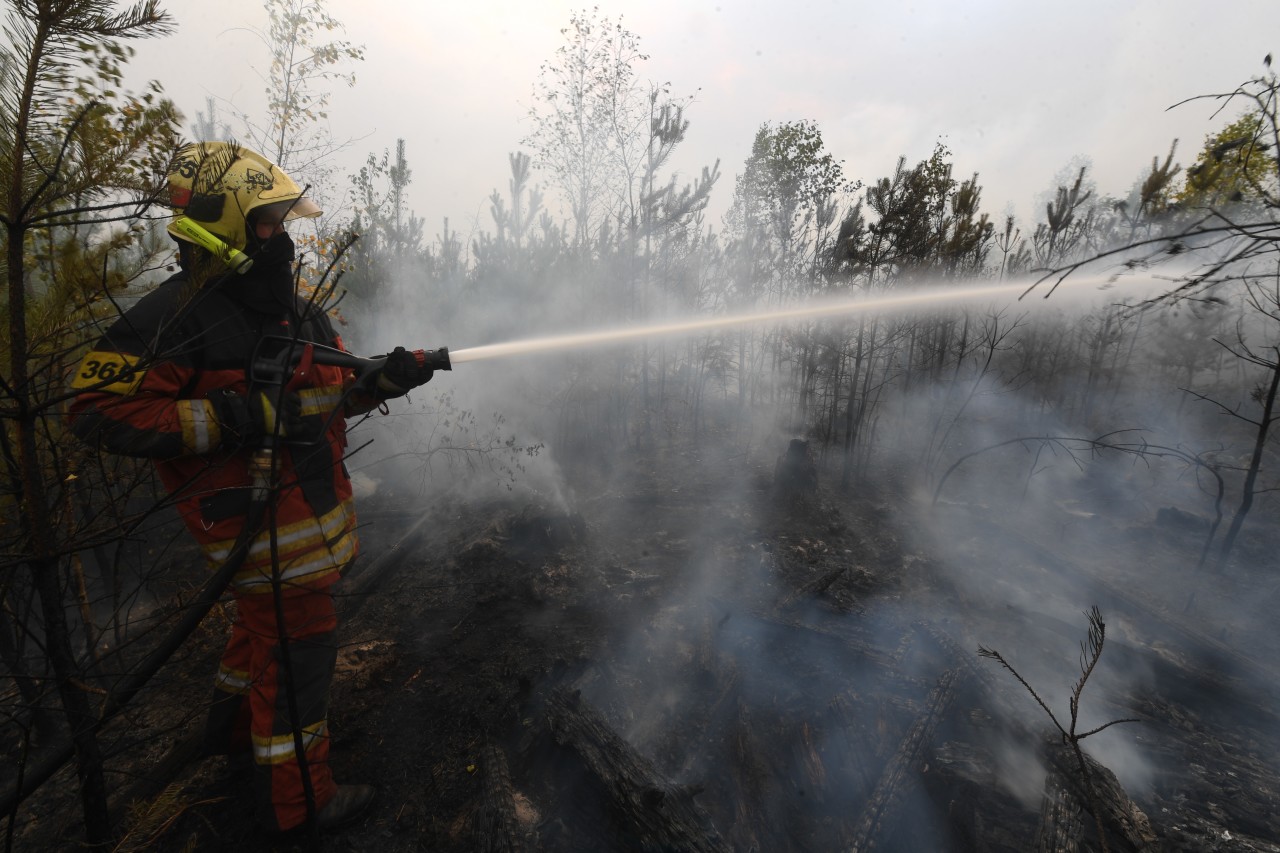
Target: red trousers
(253, 694)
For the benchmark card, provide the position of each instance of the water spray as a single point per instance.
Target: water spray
(281, 357)
(920, 298)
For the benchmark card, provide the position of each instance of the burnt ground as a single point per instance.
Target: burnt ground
(687, 657)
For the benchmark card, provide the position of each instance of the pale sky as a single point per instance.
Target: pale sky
(1014, 88)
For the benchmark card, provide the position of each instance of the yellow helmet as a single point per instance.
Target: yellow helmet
(220, 184)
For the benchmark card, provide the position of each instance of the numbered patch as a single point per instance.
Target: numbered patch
(114, 372)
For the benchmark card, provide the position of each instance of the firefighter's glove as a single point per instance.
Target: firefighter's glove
(247, 419)
(403, 371)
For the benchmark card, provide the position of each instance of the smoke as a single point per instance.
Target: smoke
(1034, 532)
(1031, 534)
(1068, 467)
(476, 431)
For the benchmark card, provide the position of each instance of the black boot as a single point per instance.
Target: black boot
(346, 807)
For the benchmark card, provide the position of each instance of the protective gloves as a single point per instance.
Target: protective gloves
(247, 419)
(403, 371)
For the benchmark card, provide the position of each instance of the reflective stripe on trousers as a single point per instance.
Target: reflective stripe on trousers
(253, 655)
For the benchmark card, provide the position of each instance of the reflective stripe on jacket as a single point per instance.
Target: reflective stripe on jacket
(144, 391)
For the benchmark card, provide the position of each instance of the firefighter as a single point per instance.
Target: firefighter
(169, 380)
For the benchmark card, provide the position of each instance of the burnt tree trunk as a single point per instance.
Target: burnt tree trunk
(1255, 463)
(881, 811)
(1126, 825)
(497, 824)
(651, 813)
(1060, 826)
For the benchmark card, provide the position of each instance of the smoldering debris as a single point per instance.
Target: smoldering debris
(688, 661)
(768, 694)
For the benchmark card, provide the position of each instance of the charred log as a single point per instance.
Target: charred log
(499, 827)
(1001, 696)
(639, 805)
(881, 811)
(1127, 826)
(1060, 826)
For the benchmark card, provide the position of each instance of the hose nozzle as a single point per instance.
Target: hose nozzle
(437, 359)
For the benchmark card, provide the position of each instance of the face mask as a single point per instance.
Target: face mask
(268, 285)
(278, 250)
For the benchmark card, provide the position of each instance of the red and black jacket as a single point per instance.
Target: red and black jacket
(144, 390)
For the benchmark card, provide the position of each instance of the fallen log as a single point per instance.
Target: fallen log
(498, 827)
(650, 813)
(1064, 798)
(879, 815)
(361, 578)
(1127, 825)
(1060, 828)
(1004, 701)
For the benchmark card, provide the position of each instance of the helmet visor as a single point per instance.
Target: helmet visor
(283, 211)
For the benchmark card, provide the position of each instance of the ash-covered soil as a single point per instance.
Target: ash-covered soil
(685, 657)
